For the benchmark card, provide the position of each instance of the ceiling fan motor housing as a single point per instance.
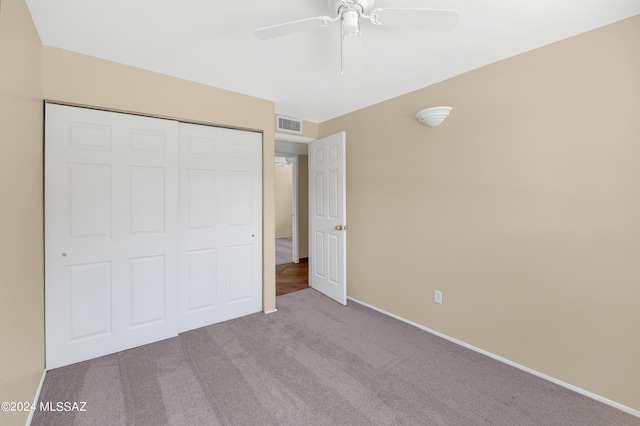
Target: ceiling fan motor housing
(365, 6)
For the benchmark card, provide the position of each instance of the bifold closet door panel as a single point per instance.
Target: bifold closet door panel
(220, 224)
(111, 233)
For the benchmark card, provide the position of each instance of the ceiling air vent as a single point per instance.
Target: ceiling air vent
(289, 124)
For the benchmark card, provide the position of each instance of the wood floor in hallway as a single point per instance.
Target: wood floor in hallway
(292, 277)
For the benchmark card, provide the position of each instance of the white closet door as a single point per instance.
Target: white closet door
(111, 234)
(220, 224)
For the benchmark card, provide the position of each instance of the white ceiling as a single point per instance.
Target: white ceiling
(212, 42)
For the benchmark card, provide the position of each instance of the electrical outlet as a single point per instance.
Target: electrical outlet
(437, 296)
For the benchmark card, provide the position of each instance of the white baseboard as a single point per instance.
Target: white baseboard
(271, 311)
(36, 398)
(581, 391)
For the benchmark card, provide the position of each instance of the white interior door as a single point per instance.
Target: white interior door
(111, 214)
(220, 224)
(327, 212)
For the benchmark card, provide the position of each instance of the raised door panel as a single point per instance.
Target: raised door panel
(318, 263)
(333, 195)
(88, 136)
(147, 186)
(240, 198)
(89, 195)
(200, 199)
(240, 283)
(333, 259)
(319, 195)
(89, 289)
(147, 142)
(147, 290)
(201, 282)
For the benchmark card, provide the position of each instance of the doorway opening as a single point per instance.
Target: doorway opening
(286, 209)
(291, 216)
(324, 190)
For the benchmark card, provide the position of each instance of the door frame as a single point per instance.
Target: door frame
(292, 144)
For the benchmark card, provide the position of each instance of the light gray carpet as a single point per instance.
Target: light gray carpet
(284, 250)
(314, 362)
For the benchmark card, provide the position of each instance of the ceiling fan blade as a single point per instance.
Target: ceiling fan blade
(292, 27)
(424, 19)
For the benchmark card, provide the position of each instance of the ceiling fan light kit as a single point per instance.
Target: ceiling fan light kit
(433, 116)
(350, 23)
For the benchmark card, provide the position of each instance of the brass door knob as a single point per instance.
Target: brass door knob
(339, 228)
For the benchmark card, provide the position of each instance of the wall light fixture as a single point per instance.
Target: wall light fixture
(433, 116)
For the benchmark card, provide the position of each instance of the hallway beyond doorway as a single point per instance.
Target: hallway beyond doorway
(292, 277)
(284, 250)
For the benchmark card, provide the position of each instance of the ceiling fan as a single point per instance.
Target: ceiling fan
(349, 13)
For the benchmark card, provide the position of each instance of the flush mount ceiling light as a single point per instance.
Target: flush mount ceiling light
(433, 116)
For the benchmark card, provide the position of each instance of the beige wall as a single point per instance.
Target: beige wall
(303, 206)
(79, 79)
(21, 247)
(284, 197)
(523, 208)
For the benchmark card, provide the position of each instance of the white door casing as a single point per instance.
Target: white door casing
(327, 212)
(220, 225)
(127, 250)
(110, 233)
